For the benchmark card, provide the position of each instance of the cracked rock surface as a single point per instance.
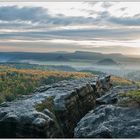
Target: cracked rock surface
(71, 100)
(109, 120)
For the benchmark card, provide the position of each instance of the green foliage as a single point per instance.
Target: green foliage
(133, 97)
(2, 99)
(138, 84)
(46, 104)
(17, 82)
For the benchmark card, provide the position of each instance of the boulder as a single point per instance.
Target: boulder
(109, 121)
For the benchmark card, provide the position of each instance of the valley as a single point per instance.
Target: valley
(77, 61)
(48, 92)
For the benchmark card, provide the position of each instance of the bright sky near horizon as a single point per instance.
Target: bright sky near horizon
(107, 27)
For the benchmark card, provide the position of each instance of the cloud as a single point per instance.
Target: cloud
(79, 34)
(115, 49)
(34, 46)
(39, 15)
(131, 21)
(32, 23)
(106, 4)
(28, 16)
(14, 13)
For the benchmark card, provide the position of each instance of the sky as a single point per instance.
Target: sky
(106, 27)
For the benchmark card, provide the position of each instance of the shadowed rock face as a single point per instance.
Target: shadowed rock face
(71, 100)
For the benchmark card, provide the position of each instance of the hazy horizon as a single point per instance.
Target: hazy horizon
(103, 27)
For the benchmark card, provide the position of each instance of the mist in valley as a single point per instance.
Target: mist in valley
(130, 70)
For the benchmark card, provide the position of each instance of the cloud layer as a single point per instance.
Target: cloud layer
(49, 27)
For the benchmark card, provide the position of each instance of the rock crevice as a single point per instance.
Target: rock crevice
(53, 111)
(109, 119)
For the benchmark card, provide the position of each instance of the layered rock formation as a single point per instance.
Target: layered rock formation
(52, 111)
(109, 119)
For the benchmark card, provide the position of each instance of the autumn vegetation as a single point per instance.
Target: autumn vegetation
(17, 82)
(116, 80)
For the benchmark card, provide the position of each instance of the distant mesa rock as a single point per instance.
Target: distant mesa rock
(61, 58)
(107, 61)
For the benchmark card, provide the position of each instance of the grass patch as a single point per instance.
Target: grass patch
(48, 103)
(134, 95)
(115, 80)
(17, 82)
(132, 98)
(138, 83)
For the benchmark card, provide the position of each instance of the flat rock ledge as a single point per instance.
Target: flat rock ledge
(53, 110)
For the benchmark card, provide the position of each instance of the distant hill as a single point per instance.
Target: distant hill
(59, 56)
(107, 61)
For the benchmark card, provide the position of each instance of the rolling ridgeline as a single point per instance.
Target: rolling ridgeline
(62, 56)
(41, 103)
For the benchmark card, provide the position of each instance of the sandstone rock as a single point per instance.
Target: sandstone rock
(103, 85)
(108, 121)
(53, 111)
(111, 97)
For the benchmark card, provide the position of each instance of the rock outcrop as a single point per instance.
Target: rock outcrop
(52, 111)
(109, 119)
(112, 96)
